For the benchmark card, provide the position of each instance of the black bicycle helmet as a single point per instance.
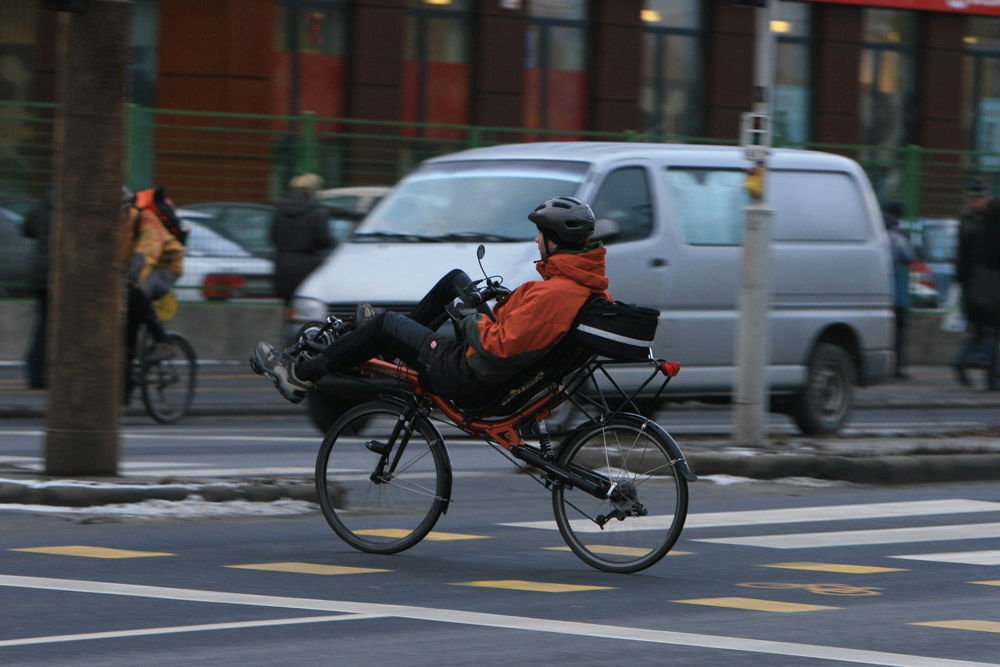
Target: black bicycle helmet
(567, 220)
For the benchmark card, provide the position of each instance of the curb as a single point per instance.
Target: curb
(76, 493)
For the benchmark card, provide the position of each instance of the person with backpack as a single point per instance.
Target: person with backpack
(528, 324)
(155, 246)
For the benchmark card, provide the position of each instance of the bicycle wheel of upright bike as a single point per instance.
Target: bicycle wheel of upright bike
(382, 502)
(645, 512)
(168, 386)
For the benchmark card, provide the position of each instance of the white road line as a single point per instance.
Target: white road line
(806, 514)
(207, 627)
(970, 531)
(521, 623)
(962, 557)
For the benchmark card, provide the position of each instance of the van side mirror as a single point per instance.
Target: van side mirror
(606, 229)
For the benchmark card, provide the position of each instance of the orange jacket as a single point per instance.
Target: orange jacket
(151, 239)
(536, 316)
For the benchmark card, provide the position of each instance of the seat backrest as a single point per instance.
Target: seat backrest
(566, 357)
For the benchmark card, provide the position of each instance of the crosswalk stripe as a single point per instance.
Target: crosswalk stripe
(970, 531)
(93, 552)
(611, 550)
(534, 586)
(753, 604)
(962, 557)
(978, 626)
(307, 568)
(433, 536)
(835, 567)
(795, 515)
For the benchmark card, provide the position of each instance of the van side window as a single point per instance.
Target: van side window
(709, 204)
(818, 206)
(624, 198)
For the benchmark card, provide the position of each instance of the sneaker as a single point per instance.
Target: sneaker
(160, 352)
(279, 367)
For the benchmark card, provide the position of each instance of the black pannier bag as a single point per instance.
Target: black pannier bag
(616, 330)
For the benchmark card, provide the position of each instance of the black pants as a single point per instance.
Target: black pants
(389, 334)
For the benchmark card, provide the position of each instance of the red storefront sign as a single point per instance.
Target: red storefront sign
(986, 7)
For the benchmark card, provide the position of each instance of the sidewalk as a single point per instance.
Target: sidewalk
(227, 389)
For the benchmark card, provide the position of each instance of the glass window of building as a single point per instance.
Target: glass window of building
(887, 78)
(672, 93)
(556, 71)
(436, 54)
(791, 27)
(981, 89)
(309, 57)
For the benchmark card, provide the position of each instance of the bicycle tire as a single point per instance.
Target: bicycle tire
(168, 386)
(637, 454)
(385, 516)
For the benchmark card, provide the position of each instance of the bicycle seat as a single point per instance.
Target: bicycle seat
(528, 383)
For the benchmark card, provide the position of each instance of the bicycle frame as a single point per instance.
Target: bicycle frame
(505, 431)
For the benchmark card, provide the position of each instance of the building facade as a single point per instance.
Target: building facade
(886, 74)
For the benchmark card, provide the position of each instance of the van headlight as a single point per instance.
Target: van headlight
(305, 309)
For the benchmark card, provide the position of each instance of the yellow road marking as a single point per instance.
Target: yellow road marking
(93, 552)
(433, 536)
(989, 582)
(618, 551)
(959, 624)
(307, 568)
(836, 567)
(536, 586)
(752, 604)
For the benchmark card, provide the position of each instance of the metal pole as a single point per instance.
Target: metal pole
(752, 344)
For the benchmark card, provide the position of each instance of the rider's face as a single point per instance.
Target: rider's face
(544, 247)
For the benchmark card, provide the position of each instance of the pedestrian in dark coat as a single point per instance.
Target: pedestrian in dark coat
(979, 245)
(36, 226)
(300, 235)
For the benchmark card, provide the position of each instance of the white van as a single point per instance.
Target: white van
(676, 220)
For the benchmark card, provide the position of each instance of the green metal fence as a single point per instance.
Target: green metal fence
(204, 156)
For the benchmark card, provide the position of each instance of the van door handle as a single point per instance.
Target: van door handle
(657, 262)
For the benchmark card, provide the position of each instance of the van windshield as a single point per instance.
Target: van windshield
(475, 200)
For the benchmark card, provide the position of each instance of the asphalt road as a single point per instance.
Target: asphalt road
(765, 573)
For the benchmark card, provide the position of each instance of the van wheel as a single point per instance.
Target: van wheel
(823, 405)
(325, 409)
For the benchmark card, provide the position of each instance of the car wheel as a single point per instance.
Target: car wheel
(325, 409)
(823, 405)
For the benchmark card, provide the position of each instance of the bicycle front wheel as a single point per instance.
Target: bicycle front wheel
(168, 386)
(382, 480)
(642, 516)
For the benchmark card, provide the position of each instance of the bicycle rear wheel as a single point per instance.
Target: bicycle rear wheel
(168, 386)
(644, 514)
(382, 484)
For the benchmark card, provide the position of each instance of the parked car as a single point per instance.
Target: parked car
(17, 253)
(219, 269)
(348, 206)
(937, 245)
(246, 223)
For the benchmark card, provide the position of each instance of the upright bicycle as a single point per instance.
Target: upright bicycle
(168, 385)
(618, 480)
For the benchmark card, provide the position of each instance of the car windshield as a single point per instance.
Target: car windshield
(203, 242)
(940, 243)
(470, 200)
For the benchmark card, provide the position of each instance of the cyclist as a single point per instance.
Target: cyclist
(155, 241)
(529, 323)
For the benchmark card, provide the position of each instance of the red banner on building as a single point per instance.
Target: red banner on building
(985, 7)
